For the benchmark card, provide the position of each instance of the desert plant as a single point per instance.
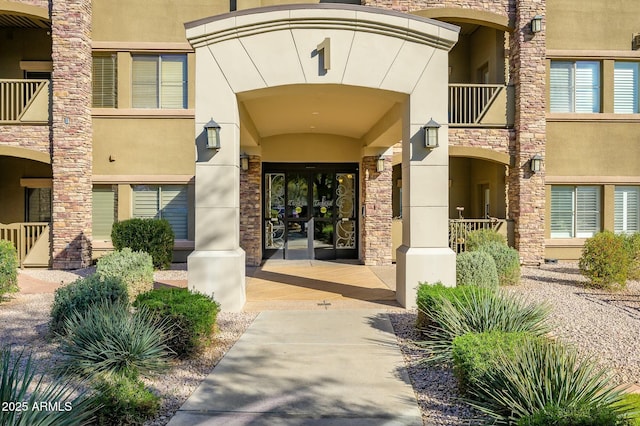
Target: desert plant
(540, 375)
(476, 268)
(428, 295)
(8, 268)
(153, 236)
(22, 396)
(124, 401)
(81, 294)
(477, 312)
(507, 262)
(632, 247)
(604, 261)
(134, 268)
(108, 339)
(482, 236)
(192, 315)
(574, 416)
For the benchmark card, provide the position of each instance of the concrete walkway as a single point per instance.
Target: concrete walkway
(327, 367)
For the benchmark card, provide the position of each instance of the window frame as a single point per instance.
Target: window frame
(573, 96)
(622, 194)
(160, 82)
(620, 87)
(560, 216)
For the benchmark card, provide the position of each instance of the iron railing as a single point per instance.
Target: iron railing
(478, 105)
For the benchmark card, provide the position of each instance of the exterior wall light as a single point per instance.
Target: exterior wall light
(536, 24)
(431, 134)
(536, 163)
(213, 134)
(244, 162)
(380, 164)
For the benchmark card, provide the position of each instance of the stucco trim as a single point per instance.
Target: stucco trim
(593, 54)
(143, 179)
(480, 153)
(29, 154)
(595, 117)
(142, 113)
(127, 46)
(472, 16)
(599, 180)
(28, 10)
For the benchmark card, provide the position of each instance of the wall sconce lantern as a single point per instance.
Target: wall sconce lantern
(536, 24)
(244, 162)
(536, 163)
(431, 134)
(380, 164)
(213, 134)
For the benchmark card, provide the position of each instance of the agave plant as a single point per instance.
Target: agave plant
(109, 339)
(29, 402)
(478, 312)
(541, 376)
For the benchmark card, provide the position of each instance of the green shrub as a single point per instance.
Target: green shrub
(82, 294)
(604, 261)
(476, 312)
(8, 268)
(540, 375)
(17, 385)
(125, 401)
(632, 246)
(153, 236)
(632, 401)
(573, 416)
(474, 354)
(482, 236)
(429, 294)
(108, 339)
(134, 268)
(507, 262)
(193, 316)
(476, 268)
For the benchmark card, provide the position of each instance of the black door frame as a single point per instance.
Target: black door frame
(309, 169)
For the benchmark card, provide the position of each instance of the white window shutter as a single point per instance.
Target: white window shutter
(562, 211)
(587, 87)
(174, 208)
(627, 209)
(104, 81)
(587, 211)
(174, 82)
(145, 82)
(145, 202)
(625, 88)
(561, 86)
(103, 212)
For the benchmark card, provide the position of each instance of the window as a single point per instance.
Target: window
(627, 209)
(575, 211)
(168, 202)
(575, 86)
(625, 88)
(38, 205)
(159, 81)
(104, 83)
(104, 211)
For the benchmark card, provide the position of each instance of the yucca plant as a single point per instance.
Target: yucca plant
(109, 339)
(477, 312)
(545, 375)
(20, 386)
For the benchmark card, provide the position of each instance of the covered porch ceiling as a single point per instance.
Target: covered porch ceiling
(372, 116)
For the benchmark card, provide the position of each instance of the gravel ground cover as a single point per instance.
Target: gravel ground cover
(603, 325)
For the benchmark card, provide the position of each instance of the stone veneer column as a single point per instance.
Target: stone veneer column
(71, 133)
(376, 225)
(251, 212)
(526, 189)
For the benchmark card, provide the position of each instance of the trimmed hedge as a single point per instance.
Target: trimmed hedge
(80, 295)
(476, 268)
(124, 401)
(507, 262)
(153, 236)
(134, 268)
(605, 261)
(429, 295)
(8, 268)
(193, 316)
(482, 236)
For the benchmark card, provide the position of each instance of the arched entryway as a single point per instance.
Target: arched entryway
(313, 85)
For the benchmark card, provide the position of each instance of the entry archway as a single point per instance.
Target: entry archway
(315, 45)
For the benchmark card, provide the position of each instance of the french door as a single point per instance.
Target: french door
(310, 211)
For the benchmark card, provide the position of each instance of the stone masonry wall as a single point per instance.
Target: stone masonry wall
(495, 139)
(376, 198)
(251, 211)
(500, 7)
(71, 133)
(36, 138)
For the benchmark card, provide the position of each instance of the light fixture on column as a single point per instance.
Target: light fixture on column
(431, 134)
(244, 161)
(536, 163)
(380, 164)
(213, 134)
(536, 24)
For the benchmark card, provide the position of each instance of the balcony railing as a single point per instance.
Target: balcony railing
(24, 101)
(459, 230)
(480, 105)
(31, 241)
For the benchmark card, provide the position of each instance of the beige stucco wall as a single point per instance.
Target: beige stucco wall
(12, 194)
(22, 44)
(467, 175)
(300, 148)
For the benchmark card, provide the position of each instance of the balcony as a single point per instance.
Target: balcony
(24, 101)
(481, 105)
(31, 241)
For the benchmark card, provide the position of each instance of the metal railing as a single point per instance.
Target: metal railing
(478, 105)
(18, 96)
(459, 230)
(24, 236)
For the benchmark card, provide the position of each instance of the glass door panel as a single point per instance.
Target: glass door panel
(346, 195)
(297, 247)
(323, 195)
(297, 196)
(346, 234)
(274, 211)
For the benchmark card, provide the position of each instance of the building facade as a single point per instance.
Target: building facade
(321, 109)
